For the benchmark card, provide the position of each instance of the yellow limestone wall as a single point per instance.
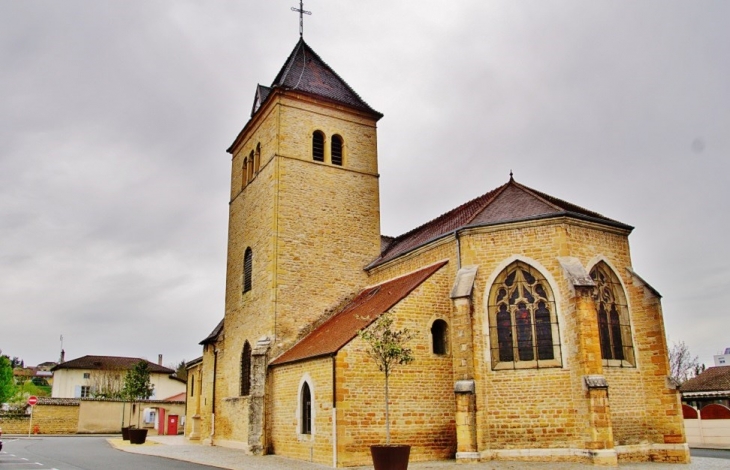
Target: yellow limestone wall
(312, 226)
(548, 408)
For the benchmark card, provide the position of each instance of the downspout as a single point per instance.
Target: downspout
(334, 410)
(212, 415)
(458, 249)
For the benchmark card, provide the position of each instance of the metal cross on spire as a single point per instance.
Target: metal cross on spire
(301, 12)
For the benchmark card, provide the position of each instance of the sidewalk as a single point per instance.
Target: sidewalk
(178, 448)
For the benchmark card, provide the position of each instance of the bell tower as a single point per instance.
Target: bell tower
(304, 216)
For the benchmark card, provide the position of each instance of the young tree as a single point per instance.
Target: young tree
(137, 384)
(682, 365)
(387, 347)
(7, 383)
(181, 371)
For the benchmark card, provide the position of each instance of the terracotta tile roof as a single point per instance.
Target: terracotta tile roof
(213, 334)
(711, 380)
(305, 71)
(110, 362)
(365, 308)
(510, 202)
(179, 397)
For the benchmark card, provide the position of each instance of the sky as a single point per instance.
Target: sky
(115, 117)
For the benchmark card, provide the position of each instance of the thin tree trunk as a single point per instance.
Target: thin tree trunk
(387, 412)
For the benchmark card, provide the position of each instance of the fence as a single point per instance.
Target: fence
(709, 426)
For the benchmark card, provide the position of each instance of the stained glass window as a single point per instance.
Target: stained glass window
(523, 323)
(614, 328)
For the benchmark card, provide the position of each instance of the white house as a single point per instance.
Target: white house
(101, 376)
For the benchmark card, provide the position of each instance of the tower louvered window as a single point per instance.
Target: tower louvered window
(247, 269)
(337, 150)
(250, 166)
(257, 159)
(244, 173)
(246, 370)
(614, 328)
(318, 146)
(523, 323)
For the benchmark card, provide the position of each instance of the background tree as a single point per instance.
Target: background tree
(387, 347)
(682, 365)
(181, 371)
(7, 383)
(107, 383)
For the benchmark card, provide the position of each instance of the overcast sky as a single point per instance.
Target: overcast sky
(115, 117)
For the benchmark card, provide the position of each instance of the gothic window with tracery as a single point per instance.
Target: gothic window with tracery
(524, 328)
(614, 328)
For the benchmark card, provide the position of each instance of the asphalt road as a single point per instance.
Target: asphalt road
(713, 453)
(80, 453)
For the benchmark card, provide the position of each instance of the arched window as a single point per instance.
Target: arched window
(244, 173)
(247, 269)
(250, 166)
(318, 146)
(306, 409)
(438, 337)
(246, 370)
(257, 159)
(523, 323)
(614, 327)
(337, 150)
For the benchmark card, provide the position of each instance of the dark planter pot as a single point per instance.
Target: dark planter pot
(390, 457)
(125, 433)
(137, 436)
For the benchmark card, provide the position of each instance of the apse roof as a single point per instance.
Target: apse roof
(511, 202)
(364, 309)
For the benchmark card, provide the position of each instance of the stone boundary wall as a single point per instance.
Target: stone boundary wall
(708, 426)
(92, 416)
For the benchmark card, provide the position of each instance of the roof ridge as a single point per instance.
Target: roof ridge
(497, 191)
(445, 215)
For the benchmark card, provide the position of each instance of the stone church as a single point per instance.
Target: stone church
(534, 337)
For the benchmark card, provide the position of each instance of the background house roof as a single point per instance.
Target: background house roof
(712, 379)
(511, 202)
(110, 362)
(364, 309)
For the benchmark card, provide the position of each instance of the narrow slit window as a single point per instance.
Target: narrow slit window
(247, 269)
(306, 407)
(246, 370)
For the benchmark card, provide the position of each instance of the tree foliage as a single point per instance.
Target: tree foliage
(181, 371)
(137, 384)
(387, 346)
(682, 365)
(7, 383)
